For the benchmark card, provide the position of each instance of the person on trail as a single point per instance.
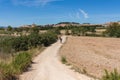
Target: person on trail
(60, 39)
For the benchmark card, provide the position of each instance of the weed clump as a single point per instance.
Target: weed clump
(63, 59)
(19, 64)
(111, 76)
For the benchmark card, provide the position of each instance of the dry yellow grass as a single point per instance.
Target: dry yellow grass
(93, 54)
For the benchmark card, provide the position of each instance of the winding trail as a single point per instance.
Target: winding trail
(47, 66)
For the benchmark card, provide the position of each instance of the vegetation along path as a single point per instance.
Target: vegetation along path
(47, 66)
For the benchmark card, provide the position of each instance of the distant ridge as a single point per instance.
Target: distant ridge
(68, 23)
(3, 26)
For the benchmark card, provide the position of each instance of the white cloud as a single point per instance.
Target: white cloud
(78, 14)
(33, 2)
(84, 13)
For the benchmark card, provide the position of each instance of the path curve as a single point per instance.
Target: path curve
(47, 66)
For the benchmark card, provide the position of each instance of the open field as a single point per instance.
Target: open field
(93, 54)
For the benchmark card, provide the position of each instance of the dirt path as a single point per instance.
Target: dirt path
(47, 66)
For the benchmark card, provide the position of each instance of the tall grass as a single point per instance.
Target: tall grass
(19, 64)
(111, 76)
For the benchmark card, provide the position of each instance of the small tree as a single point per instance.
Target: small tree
(9, 28)
(35, 30)
(92, 29)
(113, 30)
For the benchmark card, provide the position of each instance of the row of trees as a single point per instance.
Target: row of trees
(47, 27)
(112, 30)
(20, 29)
(82, 30)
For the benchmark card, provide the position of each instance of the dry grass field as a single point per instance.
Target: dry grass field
(93, 54)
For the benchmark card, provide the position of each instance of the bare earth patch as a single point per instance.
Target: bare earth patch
(93, 54)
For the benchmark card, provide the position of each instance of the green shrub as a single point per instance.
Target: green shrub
(34, 29)
(113, 30)
(48, 38)
(111, 76)
(63, 59)
(78, 31)
(20, 43)
(55, 31)
(34, 40)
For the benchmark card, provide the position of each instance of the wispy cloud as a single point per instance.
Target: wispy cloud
(84, 13)
(33, 2)
(78, 14)
(75, 15)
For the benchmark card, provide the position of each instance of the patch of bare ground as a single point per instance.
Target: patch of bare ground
(92, 54)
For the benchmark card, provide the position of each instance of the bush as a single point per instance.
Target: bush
(113, 30)
(48, 38)
(111, 76)
(20, 43)
(76, 32)
(63, 59)
(34, 40)
(79, 31)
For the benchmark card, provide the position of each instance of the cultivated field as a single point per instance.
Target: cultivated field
(93, 54)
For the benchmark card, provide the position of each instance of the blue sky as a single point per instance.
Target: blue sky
(22, 12)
